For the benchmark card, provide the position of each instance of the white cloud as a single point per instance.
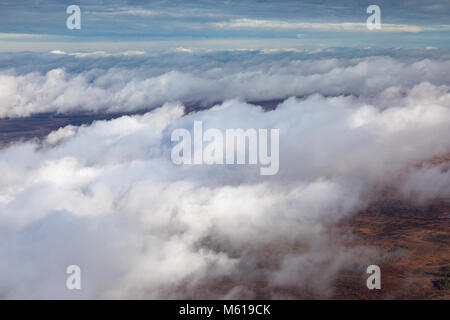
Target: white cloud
(24, 36)
(99, 53)
(181, 49)
(122, 90)
(329, 27)
(108, 196)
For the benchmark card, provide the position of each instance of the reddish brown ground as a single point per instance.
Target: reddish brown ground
(415, 241)
(416, 246)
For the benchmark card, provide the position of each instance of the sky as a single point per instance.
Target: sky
(147, 25)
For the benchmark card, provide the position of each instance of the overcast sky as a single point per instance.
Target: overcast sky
(140, 25)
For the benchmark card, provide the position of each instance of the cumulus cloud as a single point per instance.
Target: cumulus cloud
(205, 81)
(107, 196)
(60, 135)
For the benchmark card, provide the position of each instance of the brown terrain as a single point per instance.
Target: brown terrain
(414, 241)
(414, 251)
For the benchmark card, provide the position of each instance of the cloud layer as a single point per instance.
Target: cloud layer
(203, 80)
(108, 198)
